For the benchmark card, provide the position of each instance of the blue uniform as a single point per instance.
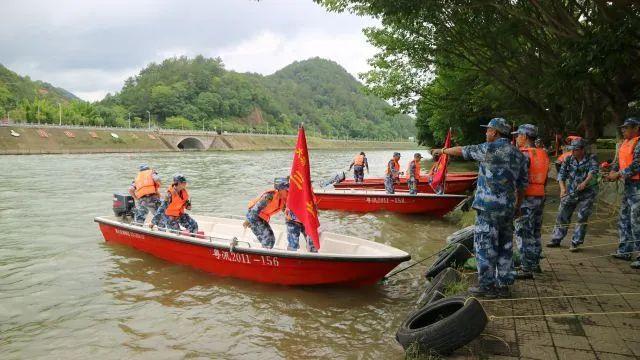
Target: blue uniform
(574, 172)
(146, 204)
(412, 181)
(390, 178)
(502, 173)
(629, 221)
(162, 220)
(527, 231)
(294, 229)
(261, 229)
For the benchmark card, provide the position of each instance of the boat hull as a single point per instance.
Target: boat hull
(257, 265)
(373, 201)
(457, 183)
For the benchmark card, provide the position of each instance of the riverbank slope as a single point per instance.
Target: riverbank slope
(60, 140)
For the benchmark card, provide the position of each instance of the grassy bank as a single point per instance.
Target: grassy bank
(33, 141)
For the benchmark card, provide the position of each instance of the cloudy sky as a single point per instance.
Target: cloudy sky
(90, 47)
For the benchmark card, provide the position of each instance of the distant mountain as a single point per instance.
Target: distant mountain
(15, 89)
(189, 92)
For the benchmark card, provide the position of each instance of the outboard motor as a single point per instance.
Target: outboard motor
(123, 205)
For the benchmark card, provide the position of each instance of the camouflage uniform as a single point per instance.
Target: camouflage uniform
(261, 229)
(527, 231)
(629, 221)
(389, 179)
(294, 228)
(575, 172)
(185, 220)
(502, 171)
(145, 204)
(358, 172)
(412, 181)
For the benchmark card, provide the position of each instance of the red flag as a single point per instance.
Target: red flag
(439, 170)
(301, 200)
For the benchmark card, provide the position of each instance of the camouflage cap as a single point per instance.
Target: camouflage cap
(631, 121)
(396, 154)
(527, 129)
(577, 144)
(500, 125)
(143, 166)
(417, 155)
(281, 183)
(179, 178)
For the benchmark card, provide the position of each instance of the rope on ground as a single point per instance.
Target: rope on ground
(561, 297)
(587, 258)
(494, 317)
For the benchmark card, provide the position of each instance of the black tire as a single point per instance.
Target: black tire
(454, 255)
(443, 326)
(435, 288)
(463, 236)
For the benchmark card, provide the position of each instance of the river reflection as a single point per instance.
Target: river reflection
(65, 293)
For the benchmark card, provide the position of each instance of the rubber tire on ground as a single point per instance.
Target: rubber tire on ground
(443, 326)
(463, 236)
(455, 254)
(435, 288)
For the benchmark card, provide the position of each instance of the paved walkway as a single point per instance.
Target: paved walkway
(587, 336)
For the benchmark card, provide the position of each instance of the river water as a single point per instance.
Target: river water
(65, 293)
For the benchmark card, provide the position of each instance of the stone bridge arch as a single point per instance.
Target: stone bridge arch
(192, 143)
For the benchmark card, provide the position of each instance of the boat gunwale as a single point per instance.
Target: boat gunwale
(258, 251)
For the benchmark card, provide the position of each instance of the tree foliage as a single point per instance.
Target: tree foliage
(564, 65)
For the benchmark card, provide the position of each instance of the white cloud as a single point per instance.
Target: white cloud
(267, 52)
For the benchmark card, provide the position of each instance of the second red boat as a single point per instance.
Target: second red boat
(372, 201)
(456, 183)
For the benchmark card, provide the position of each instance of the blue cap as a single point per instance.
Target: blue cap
(179, 178)
(577, 144)
(281, 183)
(631, 121)
(143, 166)
(500, 125)
(527, 129)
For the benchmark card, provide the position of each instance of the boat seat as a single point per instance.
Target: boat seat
(339, 247)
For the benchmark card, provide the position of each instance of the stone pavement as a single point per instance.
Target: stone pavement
(587, 272)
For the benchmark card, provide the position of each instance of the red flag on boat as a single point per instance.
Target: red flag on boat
(301, 200)
(439, 170)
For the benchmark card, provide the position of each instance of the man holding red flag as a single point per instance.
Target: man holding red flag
(439, 171)
(301, 204)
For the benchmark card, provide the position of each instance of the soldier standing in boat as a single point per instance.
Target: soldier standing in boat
(358, 164)
(392, 174)
(502, 178)
(144, 190)
(413, 174)
(294, 229)
(628, 168)
(528, 225)
(578, 190)
(171, 214)
(263, 207)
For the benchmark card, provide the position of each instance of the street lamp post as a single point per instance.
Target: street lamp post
(129, 117)
(203, 124)
(148, 113)
(38, 114)
(60, 113)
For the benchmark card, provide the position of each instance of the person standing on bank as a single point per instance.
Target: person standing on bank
(528, 225)
(502, 178)
(628, 168)
(413, 174)
(578, 190)
(392, 174)
(358, 164)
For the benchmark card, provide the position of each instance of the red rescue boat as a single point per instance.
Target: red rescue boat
(374, 200)
(456, 183)
(225, 248)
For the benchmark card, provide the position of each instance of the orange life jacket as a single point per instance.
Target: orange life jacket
(396, 167)
(178, 202)
(625, 155)
(144, 183)
(563, 156)
(358, 160)
(277, 204)
(538, 170)
(417, 174)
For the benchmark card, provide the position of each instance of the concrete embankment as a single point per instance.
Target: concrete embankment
(59, 140)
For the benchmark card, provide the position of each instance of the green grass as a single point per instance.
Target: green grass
(416, 352)
(455, 288)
